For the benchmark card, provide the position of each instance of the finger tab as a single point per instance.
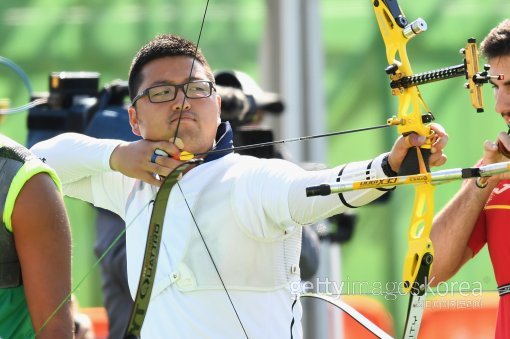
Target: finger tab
(178, 142)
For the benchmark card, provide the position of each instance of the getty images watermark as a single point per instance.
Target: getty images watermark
(466, 294)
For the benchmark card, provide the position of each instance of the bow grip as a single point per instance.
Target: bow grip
(416, 161)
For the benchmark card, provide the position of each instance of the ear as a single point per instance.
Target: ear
(218, 102)
(133, 120)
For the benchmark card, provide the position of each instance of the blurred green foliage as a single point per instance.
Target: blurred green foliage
(77, 35)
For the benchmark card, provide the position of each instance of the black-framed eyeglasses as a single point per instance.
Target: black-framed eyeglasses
(195, 89)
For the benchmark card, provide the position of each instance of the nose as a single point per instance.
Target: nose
(502, 98)
(181, 103)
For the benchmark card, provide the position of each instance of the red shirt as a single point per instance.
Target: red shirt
(493, 228)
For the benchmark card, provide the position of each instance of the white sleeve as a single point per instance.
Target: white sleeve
(273, 194)
(306, 210)
(83, 166)
(76, 156)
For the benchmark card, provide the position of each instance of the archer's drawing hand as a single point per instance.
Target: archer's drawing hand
(146, 160)
(497, 151)
(402, 145)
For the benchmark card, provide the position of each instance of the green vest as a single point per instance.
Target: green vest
(10, 270)
(17, 166)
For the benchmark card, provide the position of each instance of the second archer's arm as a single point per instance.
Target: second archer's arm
(452, 228)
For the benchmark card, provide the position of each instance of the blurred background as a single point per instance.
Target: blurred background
(326, 58)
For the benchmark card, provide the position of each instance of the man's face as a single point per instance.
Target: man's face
(501, 65)
(158, 121)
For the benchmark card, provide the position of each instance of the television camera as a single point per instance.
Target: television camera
(75, 104)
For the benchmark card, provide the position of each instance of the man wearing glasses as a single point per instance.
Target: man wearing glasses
(232, 228)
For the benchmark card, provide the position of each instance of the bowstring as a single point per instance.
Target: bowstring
(191, 70)
(284, 141)
(179, 186)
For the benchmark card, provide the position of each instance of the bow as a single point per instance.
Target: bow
(396, 32)
(150, 259)
(413, 116)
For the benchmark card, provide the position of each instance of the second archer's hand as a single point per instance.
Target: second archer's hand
(501, 153)
(144, 159)
(402, 145)
(492, 154)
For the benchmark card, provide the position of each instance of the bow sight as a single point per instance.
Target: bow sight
(475, 79)
(469, 68)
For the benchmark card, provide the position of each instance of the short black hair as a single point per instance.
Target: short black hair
(164, 45)
(497, 42)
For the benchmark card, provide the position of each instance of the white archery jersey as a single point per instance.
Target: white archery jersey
(249, 211)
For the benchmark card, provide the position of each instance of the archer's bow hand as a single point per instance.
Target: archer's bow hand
(438, 142)
(146, 160)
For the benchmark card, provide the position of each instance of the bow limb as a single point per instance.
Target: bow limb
(151, 253)
(396, 33)
(351, 312)
(420, 254)
(420, 246)
(412, 117)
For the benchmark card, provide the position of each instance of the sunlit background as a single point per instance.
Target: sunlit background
(102, 36)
